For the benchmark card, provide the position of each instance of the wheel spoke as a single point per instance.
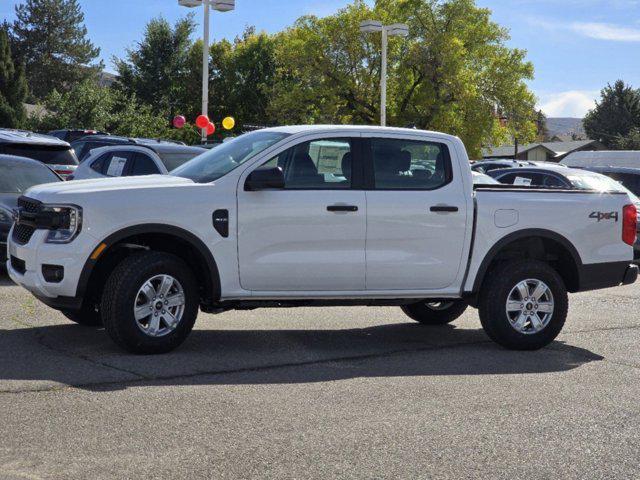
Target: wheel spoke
(545, 307)
(148, 291)
(143, 311)
(170, 320)
(154, 325)
(523, 289)
(539, 291)
(536, 322)
(520, 322)
(514, 306)
(175, 300)
(165, 286)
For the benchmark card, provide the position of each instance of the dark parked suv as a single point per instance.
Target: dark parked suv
(55, 153)
(83, 146)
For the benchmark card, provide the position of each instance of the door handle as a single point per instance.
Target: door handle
(444, 208)
(342, 208)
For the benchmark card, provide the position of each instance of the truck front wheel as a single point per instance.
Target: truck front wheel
(150, 303)
(523, 304)
(435, 313)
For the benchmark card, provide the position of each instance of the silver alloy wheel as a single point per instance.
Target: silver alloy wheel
(439, 305)
(159, 305)
(530, 306)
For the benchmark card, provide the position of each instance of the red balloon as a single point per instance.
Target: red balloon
(202, 121)
(179, 121)
(211, 128)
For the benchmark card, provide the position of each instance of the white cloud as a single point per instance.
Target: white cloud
(573, 103)
(606, 31)
(596, 30)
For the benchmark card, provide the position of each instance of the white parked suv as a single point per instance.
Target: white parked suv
(318, 216)
(131, 160)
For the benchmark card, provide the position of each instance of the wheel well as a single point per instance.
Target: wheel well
(544, 249)
(160, 242)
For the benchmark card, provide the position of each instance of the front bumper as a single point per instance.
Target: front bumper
(26, 267)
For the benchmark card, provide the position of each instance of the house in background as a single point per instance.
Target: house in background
(543, 151)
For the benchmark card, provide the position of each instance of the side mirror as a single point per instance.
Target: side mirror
(263, 178)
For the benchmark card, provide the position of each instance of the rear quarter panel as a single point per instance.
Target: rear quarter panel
(568, 214)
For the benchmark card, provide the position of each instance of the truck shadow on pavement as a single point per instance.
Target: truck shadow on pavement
(48, 357)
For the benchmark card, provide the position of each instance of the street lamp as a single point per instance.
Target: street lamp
(220, 6)
(395, 29)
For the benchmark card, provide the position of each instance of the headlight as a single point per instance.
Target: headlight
(63, 222)
(6, 216)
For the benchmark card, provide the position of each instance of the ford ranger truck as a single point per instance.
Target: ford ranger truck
(318, 216)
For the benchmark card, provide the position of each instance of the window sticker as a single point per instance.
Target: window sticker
(116, 166)
(522, 181)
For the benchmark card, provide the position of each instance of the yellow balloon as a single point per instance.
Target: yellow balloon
(228, 123)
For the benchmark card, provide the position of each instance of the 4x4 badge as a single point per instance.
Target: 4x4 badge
(604, 216)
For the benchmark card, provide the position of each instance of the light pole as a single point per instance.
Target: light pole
(395, 29)
(220, 6)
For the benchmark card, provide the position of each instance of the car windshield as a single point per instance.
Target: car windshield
(20, 176)
(600, 183)
(221, 160)
(483, 179)
(51, 155)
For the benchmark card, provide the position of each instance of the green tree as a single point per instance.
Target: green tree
(50, 39)
(629, 142)
(156, 70)
(13, 87)
(242, 78)
(615, 115)
(451, 74)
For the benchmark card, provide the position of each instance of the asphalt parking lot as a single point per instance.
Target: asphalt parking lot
(321, 393)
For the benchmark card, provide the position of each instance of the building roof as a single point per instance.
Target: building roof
(554, 148)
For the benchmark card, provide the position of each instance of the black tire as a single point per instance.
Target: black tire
(88, 316)
(492, 305)
(120, 293)
(435, 313)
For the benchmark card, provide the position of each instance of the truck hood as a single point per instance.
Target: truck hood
(58, 192)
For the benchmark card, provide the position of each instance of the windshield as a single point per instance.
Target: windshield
(221, 160)
(49, 154)
(600, 183)
(20, 176)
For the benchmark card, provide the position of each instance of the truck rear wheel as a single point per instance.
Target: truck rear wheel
(150, 303)
(523, 304)
(435, 313)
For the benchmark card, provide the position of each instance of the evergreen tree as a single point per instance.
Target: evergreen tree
(156, 69)
(50, 39)
(617, 113)
(13, 87)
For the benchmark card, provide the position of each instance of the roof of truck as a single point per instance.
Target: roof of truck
(295, 129)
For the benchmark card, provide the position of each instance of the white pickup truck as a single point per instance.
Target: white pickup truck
(318, 216)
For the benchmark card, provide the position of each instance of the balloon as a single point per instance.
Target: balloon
(228, 123)
(211, 128)
(179, 121)
(202, 121)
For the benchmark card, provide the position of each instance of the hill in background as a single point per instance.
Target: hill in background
(565, 126)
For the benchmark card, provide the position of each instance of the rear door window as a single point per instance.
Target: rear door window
(143, 165)
(410, 164)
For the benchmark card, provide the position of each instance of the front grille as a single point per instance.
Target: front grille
(22, 233)
(18, 265)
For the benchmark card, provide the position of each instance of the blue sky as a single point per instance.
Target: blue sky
(576, 46)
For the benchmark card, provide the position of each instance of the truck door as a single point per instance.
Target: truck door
(310, 235)
(416, 215)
